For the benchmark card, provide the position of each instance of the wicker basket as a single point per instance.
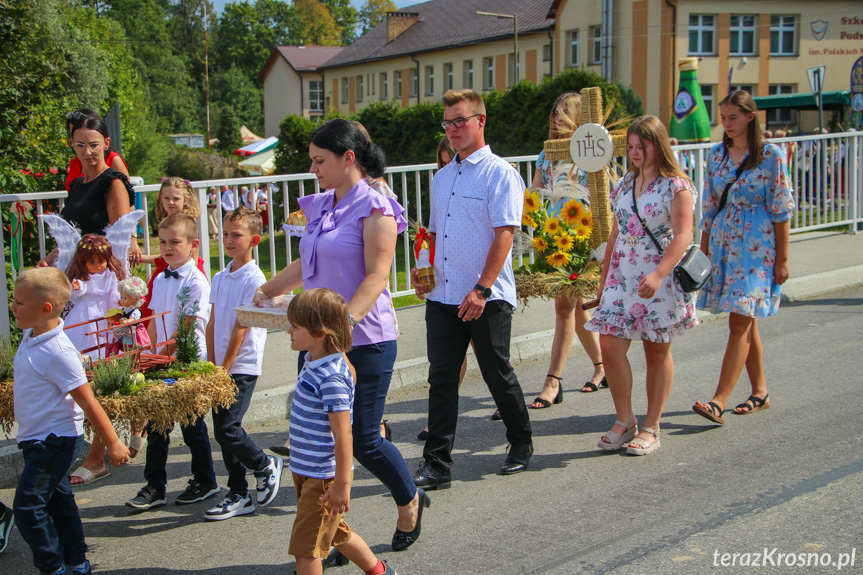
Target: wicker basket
(272, 316)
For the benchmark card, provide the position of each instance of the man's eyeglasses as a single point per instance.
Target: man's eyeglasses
(457, 122)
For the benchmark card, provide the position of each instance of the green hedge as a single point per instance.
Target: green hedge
(517, 122)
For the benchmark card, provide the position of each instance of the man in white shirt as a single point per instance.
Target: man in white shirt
(476, 205)
(228, 202)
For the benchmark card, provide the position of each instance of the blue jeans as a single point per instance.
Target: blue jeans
(374, 365)
(196, 438)
(239, 451)
(44, 506)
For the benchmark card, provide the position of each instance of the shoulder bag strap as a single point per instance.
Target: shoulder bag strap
(724, 199)
(643, 223)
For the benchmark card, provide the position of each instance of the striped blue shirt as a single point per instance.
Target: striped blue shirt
(324, 386)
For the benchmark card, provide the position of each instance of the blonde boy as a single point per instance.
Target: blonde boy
(240, 350)
(178, 236)
(51, 397)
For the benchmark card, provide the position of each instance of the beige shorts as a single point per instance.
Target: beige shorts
(315, 529)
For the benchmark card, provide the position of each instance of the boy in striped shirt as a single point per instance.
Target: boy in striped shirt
(320, 433)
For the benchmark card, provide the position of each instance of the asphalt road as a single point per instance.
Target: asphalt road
(786, 480)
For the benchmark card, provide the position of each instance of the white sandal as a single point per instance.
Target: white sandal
(616, 440)
(645, 447)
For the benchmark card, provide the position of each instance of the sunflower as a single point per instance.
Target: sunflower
(572, 211)
(539, 244)
(581, 232)
(564, 242)
(558, 259)
(531, 202)
(527, 220)
(586, 220)
(552, 226)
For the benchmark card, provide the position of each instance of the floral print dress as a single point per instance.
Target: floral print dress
(743, 239)
(560, 171)
(622, 312)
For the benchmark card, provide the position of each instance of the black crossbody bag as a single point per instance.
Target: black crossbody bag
(694, 268)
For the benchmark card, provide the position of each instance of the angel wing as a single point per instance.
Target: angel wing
(119, 235)
(67, 238)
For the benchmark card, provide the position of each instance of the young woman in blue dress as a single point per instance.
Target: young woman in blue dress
(746, 238)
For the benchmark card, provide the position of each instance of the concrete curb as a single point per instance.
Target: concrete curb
(274, 404)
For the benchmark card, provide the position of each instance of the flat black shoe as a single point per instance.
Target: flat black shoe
(423, 435)
(335, 559)
(281, 450)
(517, 459)
(404, 539)
(496, 416)
(429, 477)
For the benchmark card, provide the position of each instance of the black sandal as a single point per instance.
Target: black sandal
(591, 387)
(758, 404)
(388, 431)
(544, 403)
(713, 412)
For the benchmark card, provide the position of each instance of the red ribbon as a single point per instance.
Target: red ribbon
(422, 235)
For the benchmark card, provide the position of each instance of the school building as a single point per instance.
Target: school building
(763, 46)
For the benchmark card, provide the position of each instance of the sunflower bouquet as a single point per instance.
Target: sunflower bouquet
(557, 236)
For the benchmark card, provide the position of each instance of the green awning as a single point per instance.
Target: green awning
(803, 101)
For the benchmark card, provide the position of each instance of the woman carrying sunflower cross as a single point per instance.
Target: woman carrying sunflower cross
(569, 315)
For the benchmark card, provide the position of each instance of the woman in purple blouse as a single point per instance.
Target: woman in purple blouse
(348, 246)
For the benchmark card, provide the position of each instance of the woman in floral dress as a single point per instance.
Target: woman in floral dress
(641, 298)
(569, 315)
(747, 241)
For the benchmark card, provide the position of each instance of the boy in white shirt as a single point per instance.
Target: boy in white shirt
(51, 397)
(240, 350)
(178, 236)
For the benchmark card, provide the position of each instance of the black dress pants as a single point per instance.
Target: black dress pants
(447, 339)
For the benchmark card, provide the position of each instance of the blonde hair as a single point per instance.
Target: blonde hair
(754, 138)
(571, 102)
(650, 130)
(47, 284)
(190, 200)
(133, 287)
(474, 101)
(247, 216)
(182, 223)
(323, 312)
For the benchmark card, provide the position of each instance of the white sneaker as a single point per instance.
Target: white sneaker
(269, 479)
(232, 504)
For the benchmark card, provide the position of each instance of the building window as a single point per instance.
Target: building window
(546, 52)
(745, 87)
(468, 74)
(398, 76)
(415, 83)
(429, 80)
(742, 35)
(707, 93)
(702, 31)
(384, 86)
(359, 88)
(514, 69)
(574, 55)
(447, 77)
(782, 116)
(783, 35)
(344, 90)
(488, 66)
(596, 44)
(316, 97)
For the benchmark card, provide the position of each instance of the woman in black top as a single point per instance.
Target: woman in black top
(101, 195)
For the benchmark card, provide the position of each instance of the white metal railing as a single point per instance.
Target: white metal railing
(825, 171)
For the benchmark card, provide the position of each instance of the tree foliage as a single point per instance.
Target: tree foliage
(374, 12)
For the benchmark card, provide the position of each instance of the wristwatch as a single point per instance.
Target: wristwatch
(352, 321)
(484, 291)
